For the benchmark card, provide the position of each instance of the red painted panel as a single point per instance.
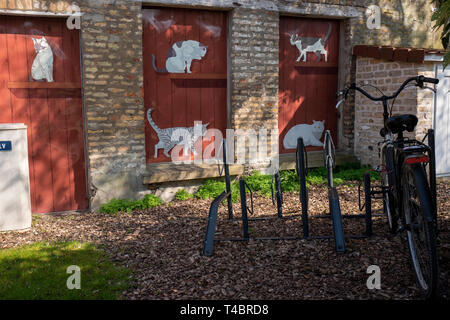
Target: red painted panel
(53, 116)
(180, 102)
(307, 89)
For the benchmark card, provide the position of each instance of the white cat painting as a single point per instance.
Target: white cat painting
(311, 134)
(311, 44)
(180, 56)
(42, 67)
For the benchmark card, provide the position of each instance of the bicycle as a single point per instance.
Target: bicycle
(408, 200)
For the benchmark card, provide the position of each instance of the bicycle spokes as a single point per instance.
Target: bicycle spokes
(417, 233)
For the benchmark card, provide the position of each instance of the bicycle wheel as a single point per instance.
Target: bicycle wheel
(417, 209)
(387, 181)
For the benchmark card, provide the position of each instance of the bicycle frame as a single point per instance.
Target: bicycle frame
(403, 148)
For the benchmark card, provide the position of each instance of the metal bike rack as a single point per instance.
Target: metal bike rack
(226, 169)
(214, 208)
(333, 197)
(243, 186)
(301, 166)
(208, 244)
(277, 199)
(278, 193)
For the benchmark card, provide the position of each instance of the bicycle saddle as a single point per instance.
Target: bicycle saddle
(401, 123)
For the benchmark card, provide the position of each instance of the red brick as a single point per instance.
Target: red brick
(360, 50)
(387, 53)
(416, 55)
(374, 52)
(401, 54)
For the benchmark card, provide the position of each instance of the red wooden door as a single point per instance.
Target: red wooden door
(307, 88)
(178, 99)
(53, 115)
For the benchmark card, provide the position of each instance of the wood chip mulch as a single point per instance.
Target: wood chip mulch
(162, 246)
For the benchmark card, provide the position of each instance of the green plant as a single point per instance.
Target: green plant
(39, 271)
(183, 195)
(117, 205)
(441, 18)
(150, 201)
(260, 183)
(125, 205)
(289, 180)
(213, 188)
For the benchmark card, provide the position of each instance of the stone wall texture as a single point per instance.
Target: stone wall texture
(111, 44)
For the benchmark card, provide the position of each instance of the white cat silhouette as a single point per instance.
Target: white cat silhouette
(181, 55)
(311, 44)
(42, 67)
(311, 134)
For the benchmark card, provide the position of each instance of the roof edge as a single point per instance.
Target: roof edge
(413, 55)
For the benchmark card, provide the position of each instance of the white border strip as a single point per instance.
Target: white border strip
(433, 57)
(35, 13)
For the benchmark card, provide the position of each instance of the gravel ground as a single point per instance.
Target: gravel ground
(162, 246)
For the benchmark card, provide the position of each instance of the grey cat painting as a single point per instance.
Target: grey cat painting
(42, 67)
(311, 44)
(165, 137)
(180, 56)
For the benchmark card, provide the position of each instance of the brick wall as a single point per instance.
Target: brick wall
(112, 63)
(111, 37)
(388, 76)
(254, 38)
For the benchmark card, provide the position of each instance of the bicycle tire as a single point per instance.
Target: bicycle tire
(417, 208)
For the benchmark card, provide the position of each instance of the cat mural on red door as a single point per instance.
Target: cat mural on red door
(311, 134)
(311, 44)
(42, 67)
(308, 78)
(186, 136)
(181, 55)
(185, 68)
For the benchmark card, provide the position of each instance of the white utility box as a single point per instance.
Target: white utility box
(15, 204)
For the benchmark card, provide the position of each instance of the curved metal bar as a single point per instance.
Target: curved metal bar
(208, 244)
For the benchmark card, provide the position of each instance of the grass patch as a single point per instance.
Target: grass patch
(345, 174)
(124, 205)
(39, 271)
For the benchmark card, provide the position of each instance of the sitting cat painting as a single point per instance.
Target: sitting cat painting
(165, 137)
(180, 56)
(42, 67)
(311, 134)
(311, 44)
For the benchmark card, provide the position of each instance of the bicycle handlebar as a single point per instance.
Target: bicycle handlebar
(419, 82)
